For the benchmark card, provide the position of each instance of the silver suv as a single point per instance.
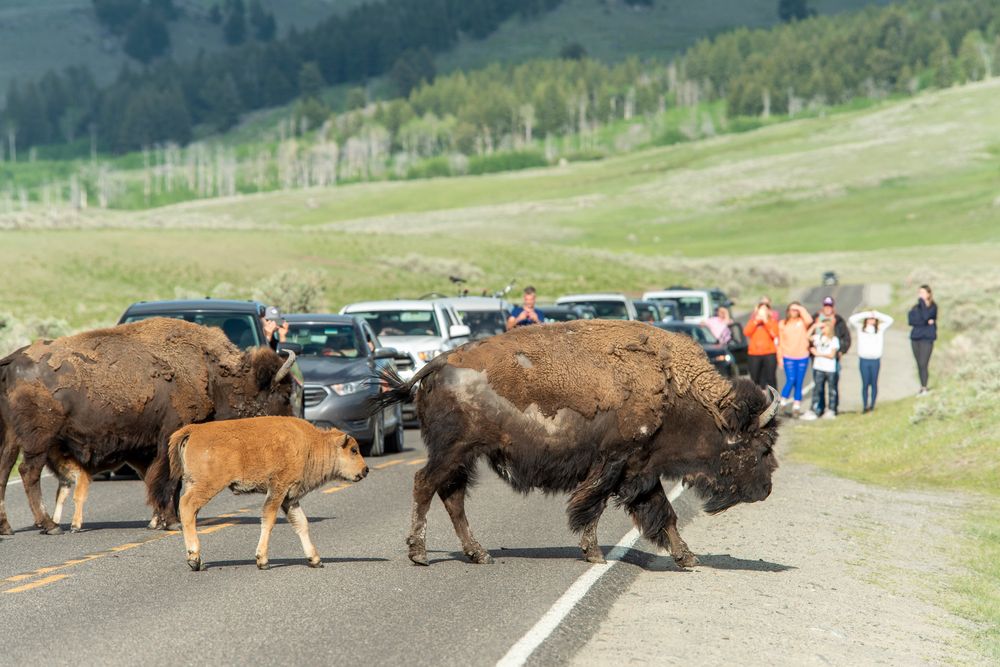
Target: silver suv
(419, 330)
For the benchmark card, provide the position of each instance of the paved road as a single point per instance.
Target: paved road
(117, 593)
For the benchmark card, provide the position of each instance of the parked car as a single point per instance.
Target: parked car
(485, 316)
(420, 330)
(719, 298)
(647, 311)
(668, 309)
(607, 306)
(340, 354)
(717, 353)
(239, 320)
(830, 278)
(738, 347)
(694, 305)
(568, 313)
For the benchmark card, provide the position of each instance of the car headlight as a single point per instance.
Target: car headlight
(427, 355)
(722, 357)
(349, 387)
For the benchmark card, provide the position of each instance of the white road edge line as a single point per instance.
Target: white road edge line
(522, 650)
(20, 481)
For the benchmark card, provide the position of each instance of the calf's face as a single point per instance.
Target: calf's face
(352, 464)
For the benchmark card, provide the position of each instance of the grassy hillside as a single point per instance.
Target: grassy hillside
(39, 35)
(746, 211)
(611, 30)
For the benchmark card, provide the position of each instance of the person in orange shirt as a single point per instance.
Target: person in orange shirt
(793, 350)
(762, 335)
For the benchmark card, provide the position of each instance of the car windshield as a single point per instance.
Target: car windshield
(701, 334)
(401, 322)
(325, 340)
(559, 315)
(241, 328)
(690, 306)
(484, 323)
(607, 310)
(647, 312)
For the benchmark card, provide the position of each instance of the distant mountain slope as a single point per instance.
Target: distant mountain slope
(612, 30)
(39, 35)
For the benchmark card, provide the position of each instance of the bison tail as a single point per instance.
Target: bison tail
(163, 478)
(175, 452)
(394, 390)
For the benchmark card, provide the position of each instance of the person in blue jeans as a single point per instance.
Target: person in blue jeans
(871, 326)
(824, 350)
(793, 350)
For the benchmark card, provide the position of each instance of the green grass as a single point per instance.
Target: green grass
(958, 453)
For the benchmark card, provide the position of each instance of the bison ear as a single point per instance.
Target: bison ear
(343, 440)
(265, 364)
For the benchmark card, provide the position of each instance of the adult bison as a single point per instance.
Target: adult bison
(113, 396)
(597, 409)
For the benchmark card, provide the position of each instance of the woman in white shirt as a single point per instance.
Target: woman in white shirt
(871, 326)
(824, 352)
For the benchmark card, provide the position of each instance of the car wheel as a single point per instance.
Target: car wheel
(394, 443)
(377, 446)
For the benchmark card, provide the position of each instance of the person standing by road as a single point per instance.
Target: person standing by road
(793, 350)
(923, 319)
(526, 314)
(871, 326)
(825, 347)
(843, 334)
(275, 327)
(762, 334)
(719, 325)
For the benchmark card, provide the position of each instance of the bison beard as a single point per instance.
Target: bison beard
(112, 396)
(600, 410)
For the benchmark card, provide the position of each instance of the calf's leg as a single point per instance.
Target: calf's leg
(80, 499)
(269, 514)
(300, 524)
(190, 504)
(453, 496)
(655, 517)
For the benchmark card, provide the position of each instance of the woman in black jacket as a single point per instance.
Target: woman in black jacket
(923, 319)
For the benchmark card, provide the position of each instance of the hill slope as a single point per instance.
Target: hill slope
(39, 35)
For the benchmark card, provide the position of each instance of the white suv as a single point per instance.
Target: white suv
(693, 305)
(607, 306)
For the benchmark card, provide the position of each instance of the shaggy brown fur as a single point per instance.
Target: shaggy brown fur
(112, 396)
(284, 457)
(600, 410)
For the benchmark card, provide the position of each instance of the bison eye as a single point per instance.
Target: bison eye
(354, 450)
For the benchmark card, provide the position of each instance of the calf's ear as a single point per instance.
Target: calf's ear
(339, 440)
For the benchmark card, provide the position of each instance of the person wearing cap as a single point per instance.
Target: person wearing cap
(275, 327)
(828, 313)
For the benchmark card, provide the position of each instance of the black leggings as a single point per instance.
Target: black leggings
(764, 369)
(922, 353)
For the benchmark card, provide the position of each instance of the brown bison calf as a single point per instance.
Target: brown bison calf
(284, 457)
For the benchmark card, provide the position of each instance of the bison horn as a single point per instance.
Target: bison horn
(285, 367)
(772, 408)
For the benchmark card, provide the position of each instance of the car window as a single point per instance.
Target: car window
(607, 310)
(484, 323)
(737, 331)
(704, 335)
(401, 322)
(449, 322)
(240, 328)
(690, 306)
(558, 315)
(647, 312)
(326, 340)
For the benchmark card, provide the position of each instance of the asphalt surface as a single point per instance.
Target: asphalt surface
(117, 593)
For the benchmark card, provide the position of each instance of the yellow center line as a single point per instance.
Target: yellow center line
(386, 464)
(37, 584)
(334, 489)
(416, 462)
(213, 528)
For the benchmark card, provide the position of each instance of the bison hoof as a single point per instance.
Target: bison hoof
(480, 557)
(686, 560)
(595, 557)
(195, 564)
(418, 551)
(54, 530)
(5, 529)
(316, 563)
(76, 529)
(263, 565)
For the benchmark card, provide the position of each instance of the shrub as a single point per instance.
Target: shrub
(292, 291)
(16, 333)
(490, 164)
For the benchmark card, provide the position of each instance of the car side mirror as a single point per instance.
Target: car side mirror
(385, 353)
(290, 347)
(459, 331)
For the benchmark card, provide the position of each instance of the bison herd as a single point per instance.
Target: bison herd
(601, 410)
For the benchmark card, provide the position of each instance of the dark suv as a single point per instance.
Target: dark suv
(239, 320)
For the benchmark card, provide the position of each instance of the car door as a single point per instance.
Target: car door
(738, 348)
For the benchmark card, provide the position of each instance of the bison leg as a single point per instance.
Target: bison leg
(655, 517)
(453, 497)
(423, 493)
(8, 456)
(31, 474)
(588, 544)
(269, 514)
(300, 523)
(80, 499)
